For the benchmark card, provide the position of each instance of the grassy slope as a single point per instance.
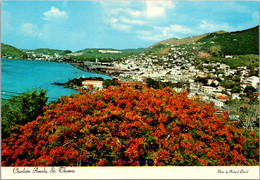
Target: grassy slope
(10, 51)
(234, 43)
(177, 42)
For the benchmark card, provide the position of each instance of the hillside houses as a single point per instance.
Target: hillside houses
(181, 66)
(177, 67)
(252, 81)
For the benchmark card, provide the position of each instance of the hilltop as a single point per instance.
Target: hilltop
(10, 51)
(103, 54)
(229, 43)
(225, 43)
(234, 43)
(176, 41)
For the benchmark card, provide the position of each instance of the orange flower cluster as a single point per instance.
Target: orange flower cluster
(124, 126)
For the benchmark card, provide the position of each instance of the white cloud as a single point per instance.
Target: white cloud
(134, 13)
(161, 33)
(116, 24)
(175, 29)
(6, 20)
(30, 29)
(143, 20)
(132, 21)
(54, 14)
(128, 15)
(121, 27)
(212, 26)
(155, 9)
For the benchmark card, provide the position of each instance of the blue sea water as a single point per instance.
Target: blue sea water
(18, 76)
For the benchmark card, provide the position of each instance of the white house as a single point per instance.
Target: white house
(228, 57)
(253, 81)
(98, 84)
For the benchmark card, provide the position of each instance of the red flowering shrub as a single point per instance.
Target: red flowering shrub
(125, 126)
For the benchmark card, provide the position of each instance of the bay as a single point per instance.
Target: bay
(18, 76)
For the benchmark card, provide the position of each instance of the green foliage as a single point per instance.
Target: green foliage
(250, 148)
(232, 82)
(91, 54)
(249, 60)
(160, 85)
(236, 89)
(10, 51)
(234, 43)
(109, 82)
(48, 51)
(201, 80)
(22, 109)
(229, 84)
(215, 50)
(249, 91)
(77, 82)
(247, 109)
(152, 83)
(160, 46)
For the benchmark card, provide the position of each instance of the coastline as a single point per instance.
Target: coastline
(61, 83)
(78, 65)
(85, 68)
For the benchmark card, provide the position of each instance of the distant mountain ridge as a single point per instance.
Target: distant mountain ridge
(176, 41)
(239, 42)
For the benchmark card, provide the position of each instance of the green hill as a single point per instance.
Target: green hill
(10, 51)
(108, 54)
(177, 42)
(233, 43)
(47, 51)
(227, 43)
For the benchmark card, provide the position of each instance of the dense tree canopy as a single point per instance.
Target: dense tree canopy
(22, 109)
(132, 127)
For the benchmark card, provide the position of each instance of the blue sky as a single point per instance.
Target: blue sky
(76, 25)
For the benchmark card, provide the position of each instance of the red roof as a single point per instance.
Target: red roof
(91, 81)
(222, 97)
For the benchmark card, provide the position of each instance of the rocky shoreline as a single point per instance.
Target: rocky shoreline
(85, 68)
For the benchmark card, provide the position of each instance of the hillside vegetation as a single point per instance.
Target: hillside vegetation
(177, 42)
(48, 51)
(10, 51)
(223, 43)
(227, 43)
(233, 43)
(91, 54)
